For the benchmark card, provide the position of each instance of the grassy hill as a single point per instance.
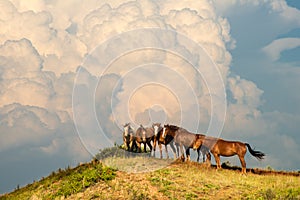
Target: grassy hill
(176, 180)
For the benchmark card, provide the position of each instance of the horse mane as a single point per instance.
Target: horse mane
(172, 127)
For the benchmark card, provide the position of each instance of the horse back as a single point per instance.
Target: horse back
(185, 137)
(228, 148)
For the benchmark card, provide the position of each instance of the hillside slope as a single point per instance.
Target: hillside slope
(175, 181)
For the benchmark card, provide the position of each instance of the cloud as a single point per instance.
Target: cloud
(58, 37)
(287, 12)
(21, 75)
(31, 127)
(56, 46)
(71, 67)
(276, 47)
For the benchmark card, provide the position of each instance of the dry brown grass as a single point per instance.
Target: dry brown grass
(194, 181)
(189, 180)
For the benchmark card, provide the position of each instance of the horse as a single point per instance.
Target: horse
(144, 136)
(165, 140)
(184, 139)
(157, 128)
(149, 135)
(204, 151)
(128, 136)
(219, 147)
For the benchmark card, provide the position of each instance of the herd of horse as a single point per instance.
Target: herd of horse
(184, 140)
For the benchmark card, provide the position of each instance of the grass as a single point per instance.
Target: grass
(117, 178)
(64, 183)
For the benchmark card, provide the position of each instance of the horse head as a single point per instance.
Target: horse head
(157, 127)
(165, 130)
(198, 141)
(126, 129)
(169, 130)
(143, 131)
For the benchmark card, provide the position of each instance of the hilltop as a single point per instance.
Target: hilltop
(176, 180)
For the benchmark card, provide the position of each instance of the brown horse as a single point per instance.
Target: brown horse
(219, 147)
(144, 136)
(160, 138)
(149, 136)
(127, 136)
(157, 128)
(185, 140)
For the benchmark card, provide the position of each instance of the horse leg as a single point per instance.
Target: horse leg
(138, 147)
(217, 159)
(166, 149)
(131, 146)
(243, 163)
(182, 153)
(203, 152)
(160, 150)
(198, 152)
(187, 152)
(150, 146)
(173, 150)
(127, 146)
(145, 147)
(208, 158)
(154, 147)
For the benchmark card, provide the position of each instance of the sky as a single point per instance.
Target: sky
(72, 72)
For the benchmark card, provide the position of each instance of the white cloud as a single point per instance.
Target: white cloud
(276, 47)
(287, 12)
(44, 42)
(55, 54)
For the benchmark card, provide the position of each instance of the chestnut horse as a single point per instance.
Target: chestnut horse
(219, 147)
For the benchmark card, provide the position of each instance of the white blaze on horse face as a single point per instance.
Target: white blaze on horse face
(164, 132)
(126, 130)
(144, 135)
(155, 130)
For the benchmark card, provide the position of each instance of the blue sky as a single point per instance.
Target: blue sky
(293, 3)
(51, 110)
(261, 70)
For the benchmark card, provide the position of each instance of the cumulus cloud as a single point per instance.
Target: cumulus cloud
(276, 47)
(99, 64)
(58, 37)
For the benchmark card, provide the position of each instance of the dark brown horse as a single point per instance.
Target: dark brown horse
(161, 139)
(219, 147)
(157, 128)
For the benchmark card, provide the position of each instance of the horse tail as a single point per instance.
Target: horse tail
(257, 154)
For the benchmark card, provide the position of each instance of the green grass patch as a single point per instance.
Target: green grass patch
(64, 183)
